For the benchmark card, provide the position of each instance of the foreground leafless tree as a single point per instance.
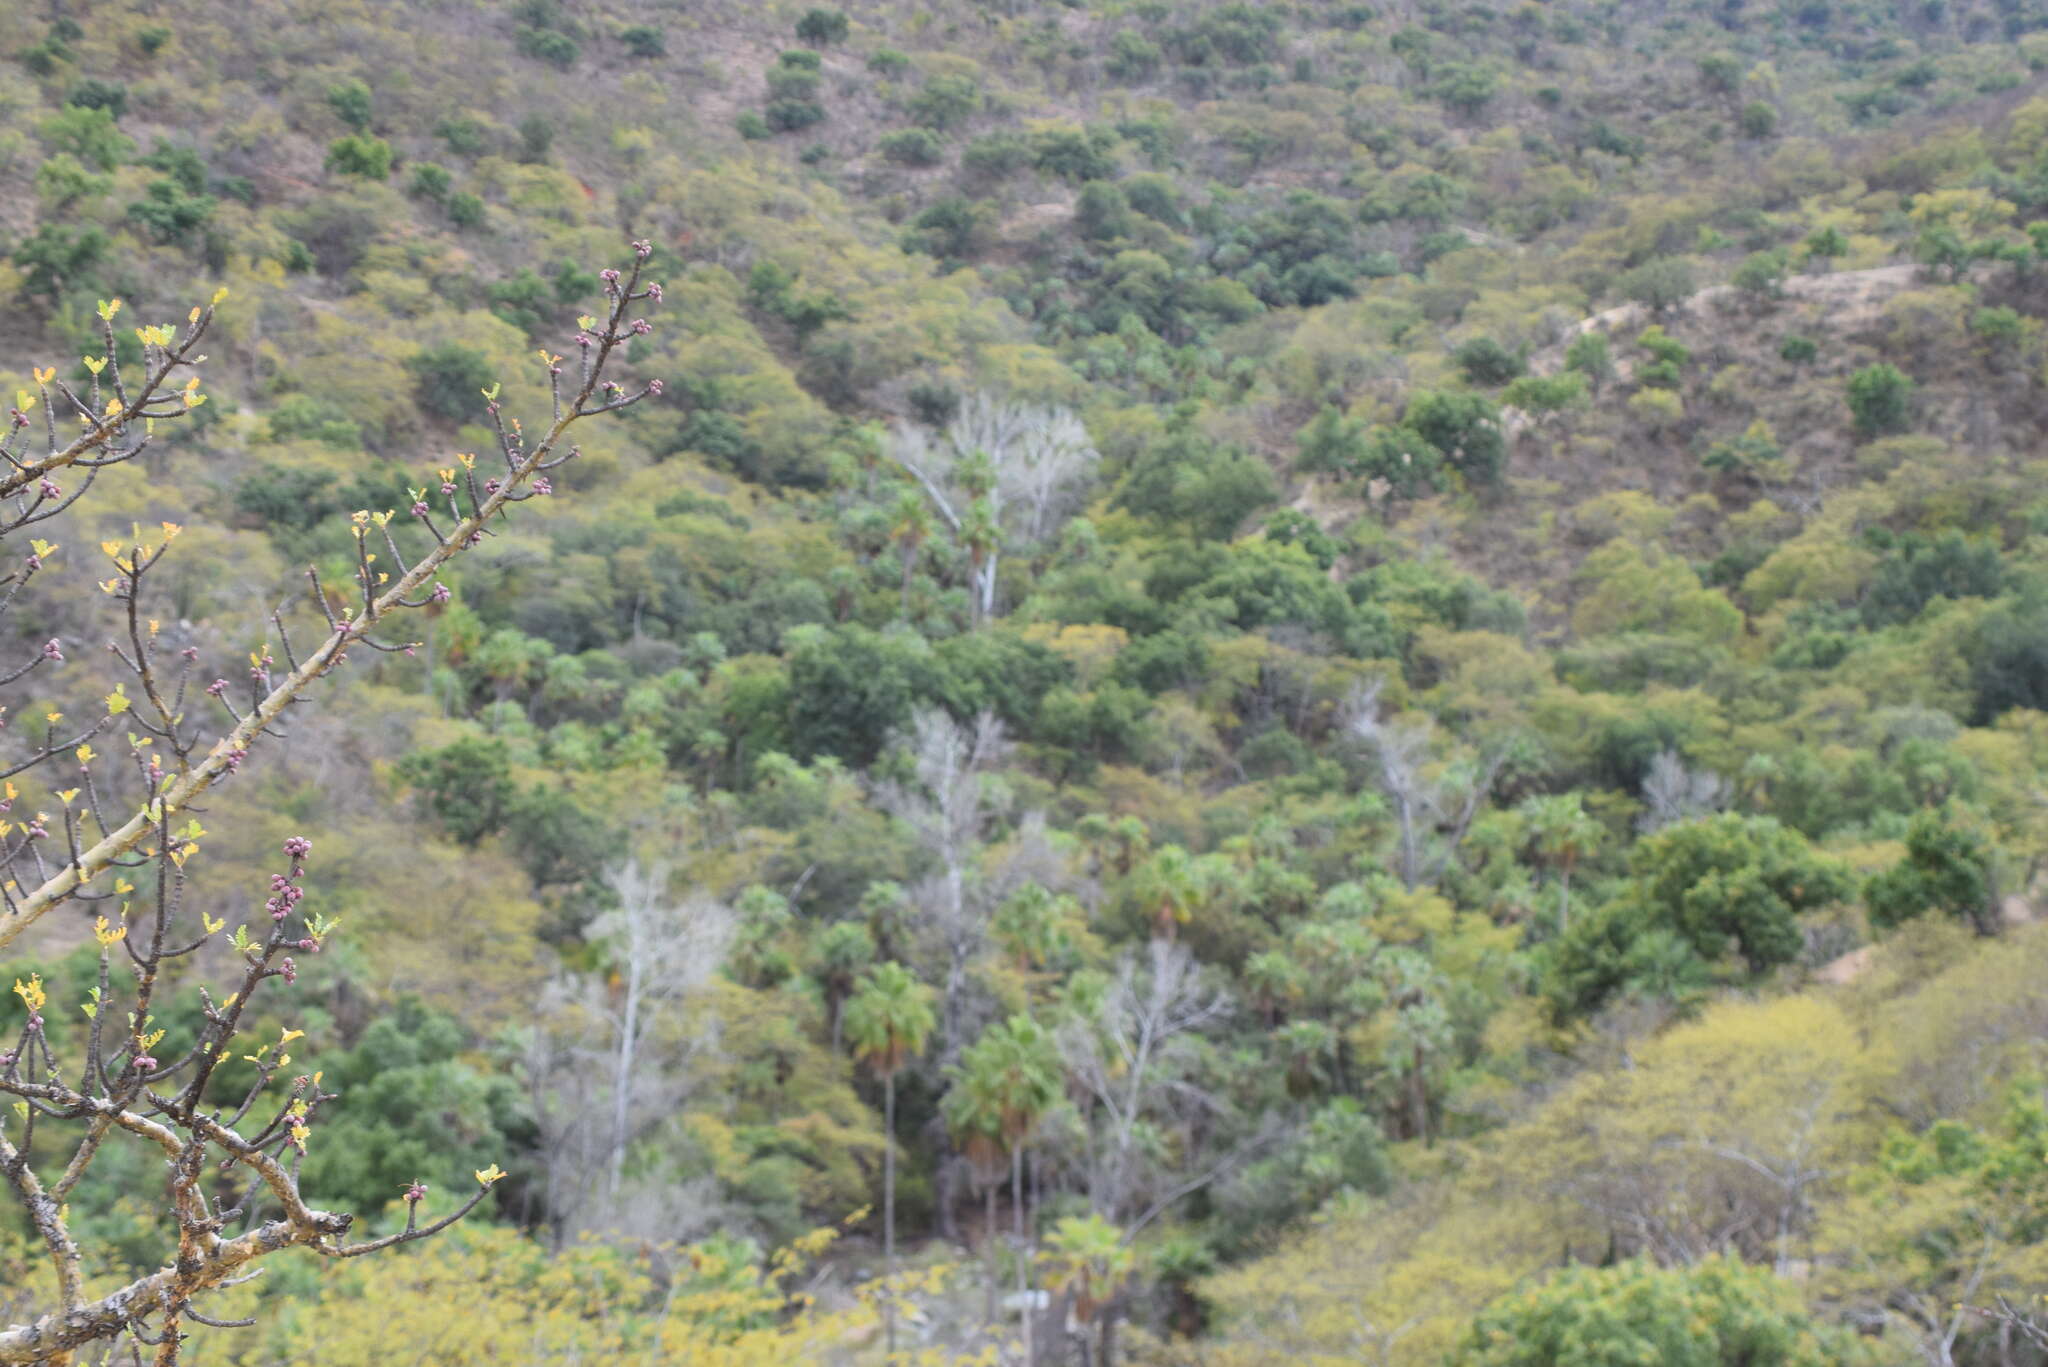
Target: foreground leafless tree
(115, 835)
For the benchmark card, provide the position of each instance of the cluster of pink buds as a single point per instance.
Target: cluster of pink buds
(654, 388)
(641, 327)
(20, 418)
(48, 489)
(654, 292)
(490, 486)
(285, 891)
(36, 829)
(448, 486)
(34, 562)
(585, 340)
(234, 759)
(144, 1063)
(416, 1193)
(53, 649)
(643, 249)
(440, 594)
(216, 688)
(543, 486)
(289, 970)
(285, 895)
(611, 280)
(419, 508)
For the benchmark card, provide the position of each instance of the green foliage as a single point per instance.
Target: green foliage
(56, 260)
(1717, 1313)
(823, 27)
(1945, 868)
(430, 181)
(467, 786)
(1880, 400)
(93, 94)
(1761, 275)
(89, 134)
(1660, 284)
(557, 49)
(360, 155)
(945, 102)
(1698, 892)
(351, 102)
(466, 210)
(1486, 362)
(419, 1104)
(168, 212)
(1464, 429)
(645, 41)
(912, 147)
(449, 380)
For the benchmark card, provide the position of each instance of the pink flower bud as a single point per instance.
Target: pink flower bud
(53, 649)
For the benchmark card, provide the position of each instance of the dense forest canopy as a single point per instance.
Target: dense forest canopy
(1215, 684)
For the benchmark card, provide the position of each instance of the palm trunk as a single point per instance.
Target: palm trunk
(1017, 1193)
(988, 1247)
(889, 1204)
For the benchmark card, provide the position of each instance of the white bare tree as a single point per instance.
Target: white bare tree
(1000, 470)
(1434, 802)
(1135, 1059)
(945, 801)
(1673, 793)
(610, 1057)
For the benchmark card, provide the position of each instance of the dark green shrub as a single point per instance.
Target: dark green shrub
(360, 155)
(557, 49)
(823, 27)
(449, 380)
(350, 102)
(465, 210)
(644, 40)
(1880, 400)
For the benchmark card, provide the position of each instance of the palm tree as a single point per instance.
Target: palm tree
(1089, 1257)
(1562, 833)
(974, 1114)
(910, 527)
(1030, 924)
(889, 1019)
(1026, 1066)
(982, 536)
(842, 951)
(1169, 884)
